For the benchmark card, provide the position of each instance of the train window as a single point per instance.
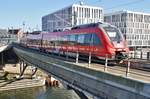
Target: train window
(88, 39)
(72, 38)
(96, 40)
(81, 38)
(59, 38)
(68, 37)
(76, 38)
(65, 38)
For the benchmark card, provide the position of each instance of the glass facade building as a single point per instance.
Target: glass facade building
(70, 16)
(134, 25)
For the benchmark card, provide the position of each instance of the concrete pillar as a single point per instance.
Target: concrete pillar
(48, 80)
(23, 66)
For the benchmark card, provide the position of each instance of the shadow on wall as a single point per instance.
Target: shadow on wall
(8, 57)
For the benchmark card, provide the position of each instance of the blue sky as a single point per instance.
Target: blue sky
(16, 12)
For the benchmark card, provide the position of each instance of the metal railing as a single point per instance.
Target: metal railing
(124, 70)
(7, 40)
(140, 55)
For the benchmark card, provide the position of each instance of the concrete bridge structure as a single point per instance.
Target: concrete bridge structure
(93, 80)
(4, 47)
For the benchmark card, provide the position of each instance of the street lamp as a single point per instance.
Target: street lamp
(23, 24)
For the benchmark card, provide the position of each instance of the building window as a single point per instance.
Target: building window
(147, 18)
(100, 13)
(94, 13)
(88, 13)
(72, 38)
(123, 17)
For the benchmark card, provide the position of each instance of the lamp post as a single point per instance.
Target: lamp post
(23, 24)
(23, 27)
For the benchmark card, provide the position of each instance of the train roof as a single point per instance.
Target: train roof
(98, 24)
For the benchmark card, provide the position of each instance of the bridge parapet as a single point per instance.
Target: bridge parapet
(97, 83)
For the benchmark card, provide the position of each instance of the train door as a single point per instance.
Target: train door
(73, 39)
(96, 48)
(80, 41)
(88, 43)
(85, 43)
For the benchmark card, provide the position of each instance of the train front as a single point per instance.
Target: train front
(118, 48)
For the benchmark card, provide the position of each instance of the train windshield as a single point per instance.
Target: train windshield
(113, 33)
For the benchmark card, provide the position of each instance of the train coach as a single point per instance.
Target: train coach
(100, 39)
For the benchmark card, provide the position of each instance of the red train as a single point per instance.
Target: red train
(101, 39)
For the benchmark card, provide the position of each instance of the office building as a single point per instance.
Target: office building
(70, 16)
(134, 25)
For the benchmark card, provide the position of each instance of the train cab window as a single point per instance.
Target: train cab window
(96, 40)
(113, 33)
